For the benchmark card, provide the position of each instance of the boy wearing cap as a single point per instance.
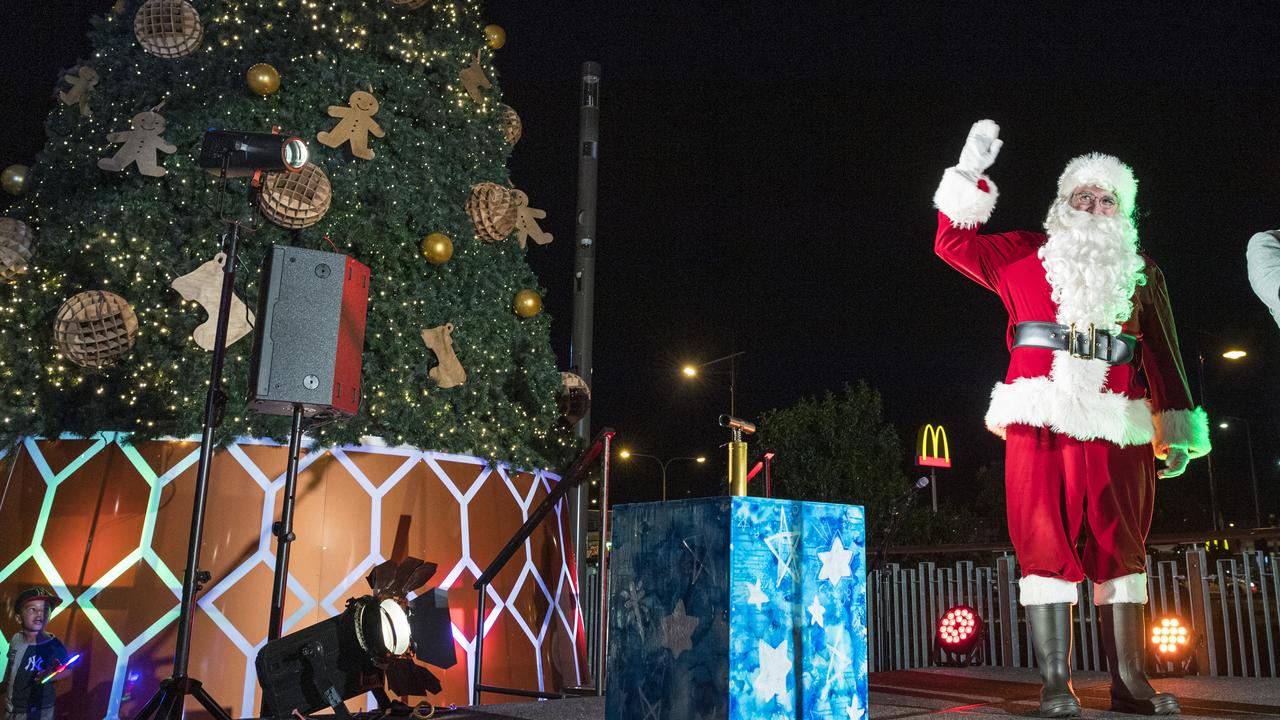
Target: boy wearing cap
(33, 654)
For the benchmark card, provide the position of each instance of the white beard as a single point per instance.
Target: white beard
(1092, 265)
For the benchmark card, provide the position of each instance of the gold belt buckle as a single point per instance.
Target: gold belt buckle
(1093, 343)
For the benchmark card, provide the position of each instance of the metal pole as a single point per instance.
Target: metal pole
(733, 385)
(284, 529)
(584, 269)
(664, 481)
(1253, 473)
(477, 673)
(214, 402)
(602, 639)
(1208, 459)
(933, 484)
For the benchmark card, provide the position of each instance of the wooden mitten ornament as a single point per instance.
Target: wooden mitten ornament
(204, 285)
(355, 125)
(448, 372)
(140, 145)
(473, 78)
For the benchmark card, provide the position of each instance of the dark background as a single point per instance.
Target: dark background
(766, 171)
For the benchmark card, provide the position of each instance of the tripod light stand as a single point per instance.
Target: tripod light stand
(228, 153)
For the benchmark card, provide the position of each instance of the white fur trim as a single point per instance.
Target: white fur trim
(1071, 401)
(959, 198)
(1040, 590)
(1186, 429)
(1104, 171)
(1124, 589)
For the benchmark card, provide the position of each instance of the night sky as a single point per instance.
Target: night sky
(766, 173)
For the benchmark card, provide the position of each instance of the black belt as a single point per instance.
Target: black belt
(1088, 344)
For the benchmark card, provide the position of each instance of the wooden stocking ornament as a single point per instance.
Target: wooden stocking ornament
(448, 371)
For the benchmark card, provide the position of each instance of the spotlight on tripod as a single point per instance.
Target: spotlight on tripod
(238, 154)
(230, 154)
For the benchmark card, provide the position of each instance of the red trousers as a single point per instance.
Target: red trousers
(1057, 485)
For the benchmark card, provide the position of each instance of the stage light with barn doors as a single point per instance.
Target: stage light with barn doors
(379, 642)
(959, 635)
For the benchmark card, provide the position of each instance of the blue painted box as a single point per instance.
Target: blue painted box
(737, 609)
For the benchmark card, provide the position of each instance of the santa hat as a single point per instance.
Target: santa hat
(1105, 171)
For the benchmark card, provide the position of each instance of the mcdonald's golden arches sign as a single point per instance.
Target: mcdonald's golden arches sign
(932, 449)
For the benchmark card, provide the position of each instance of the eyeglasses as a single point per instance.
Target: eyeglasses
(1086, 198)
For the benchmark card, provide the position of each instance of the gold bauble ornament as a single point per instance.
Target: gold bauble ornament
(14, 179)
(528, 303)
(168, 28)
(294, 200)
(262, 79)
(492, 209)
(494, 36)
(95, 329)
(437, 248)
(17, 246)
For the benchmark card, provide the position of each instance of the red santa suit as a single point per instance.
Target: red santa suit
(1080, 433)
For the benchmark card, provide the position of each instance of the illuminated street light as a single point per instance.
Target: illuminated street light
(662, 464)
(1253, 473)
(691, 371)
(1232, 354)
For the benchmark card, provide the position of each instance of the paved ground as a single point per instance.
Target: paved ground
(973, 693)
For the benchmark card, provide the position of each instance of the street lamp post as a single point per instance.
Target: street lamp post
(1253, 473)
(1232, 354)
(662, 464)
(692, 371)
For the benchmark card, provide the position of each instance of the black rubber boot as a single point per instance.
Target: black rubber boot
(1124, 637)
(1051, 639)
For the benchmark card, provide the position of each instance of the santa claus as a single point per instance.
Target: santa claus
(1095, 389)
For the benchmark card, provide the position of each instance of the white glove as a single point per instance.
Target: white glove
(1175, 463)
(980, 149)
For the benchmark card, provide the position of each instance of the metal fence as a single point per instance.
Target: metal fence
(1230, 602)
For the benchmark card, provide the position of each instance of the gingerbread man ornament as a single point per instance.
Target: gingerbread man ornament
(527, 221)
(355, 126)
(82, 79)
(140, 146)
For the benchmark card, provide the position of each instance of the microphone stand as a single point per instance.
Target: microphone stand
(908, 495)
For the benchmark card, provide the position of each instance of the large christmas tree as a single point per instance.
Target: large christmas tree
(404, 166)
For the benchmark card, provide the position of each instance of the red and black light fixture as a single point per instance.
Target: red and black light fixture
(959, 636)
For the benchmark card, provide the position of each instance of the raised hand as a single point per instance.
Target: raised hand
(981, 148)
